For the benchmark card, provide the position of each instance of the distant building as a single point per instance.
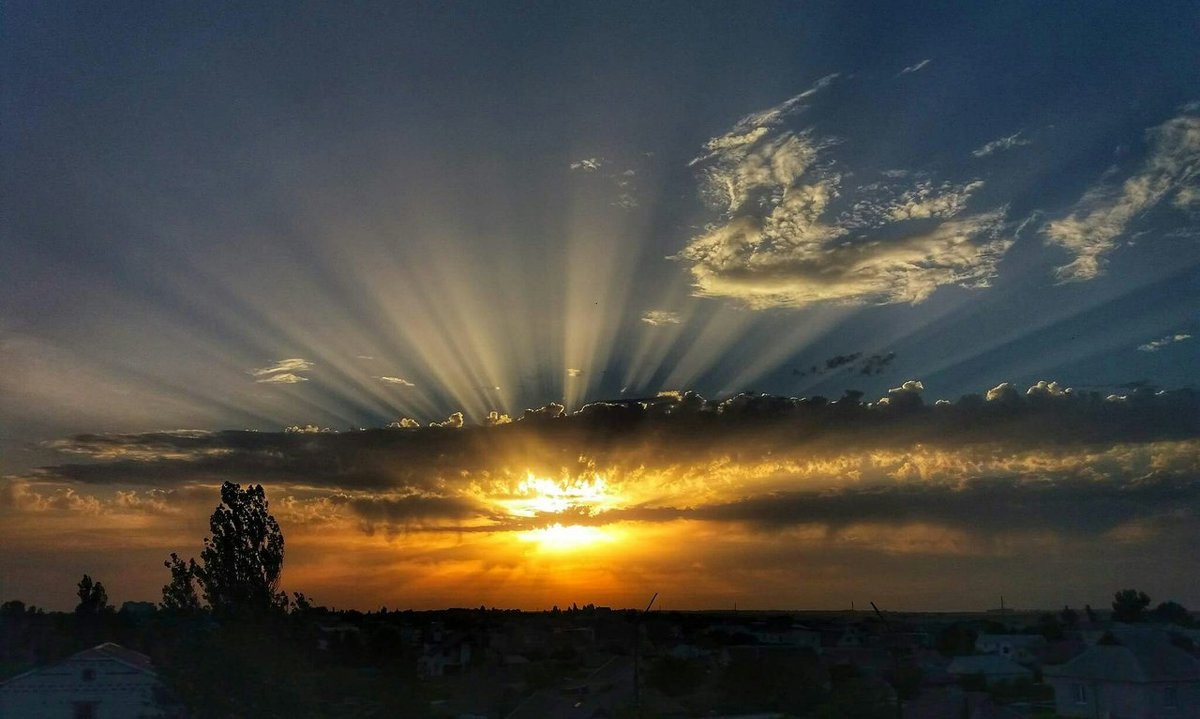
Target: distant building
(1021, 648)
(994, 669)
(1142, 678)
(105, 682)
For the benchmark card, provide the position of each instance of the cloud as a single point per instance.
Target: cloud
(779, 241)
(855, 362)
(657, 318)
(395, 381)
(281, 378)
(925, 201)
(404, 423)
(294, 364)
(1001, 144)
(751, 487)
(1091, 228)
(1156, 345)
(454, 421)
(916, 67)
(282, 372)
(572, 372)
(589, 164)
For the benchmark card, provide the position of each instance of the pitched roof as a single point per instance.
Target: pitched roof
(989, 664)
(109, 650)
(1135, 660)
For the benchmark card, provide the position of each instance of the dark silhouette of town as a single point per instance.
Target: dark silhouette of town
(225, 642)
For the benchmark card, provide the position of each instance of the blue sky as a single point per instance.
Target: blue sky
(220, 217)
(191, 193)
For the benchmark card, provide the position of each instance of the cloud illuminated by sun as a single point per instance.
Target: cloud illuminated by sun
(565, 538)
(537, 495)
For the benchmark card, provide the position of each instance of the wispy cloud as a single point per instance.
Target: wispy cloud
(282, 372)
(1001, 144)
(572, 372)
(779, 241)
(398, 381)
(589, 164)
(281, 378)
(915, 67)
(1092, 227)
(657, 318)
(285, 365)
(1156, 345)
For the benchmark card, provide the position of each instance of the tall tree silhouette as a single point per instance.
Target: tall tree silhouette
(93, 599)
(1128, 605)
(239, 567)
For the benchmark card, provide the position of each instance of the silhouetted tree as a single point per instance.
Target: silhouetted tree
(180, 595)
(1068, 616)
(93, 599)
(1050, 627)
(239, 567)
(1128, 605)
(1091, 614)
(1172, 613)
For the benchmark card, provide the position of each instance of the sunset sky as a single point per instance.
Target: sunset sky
(791, 305)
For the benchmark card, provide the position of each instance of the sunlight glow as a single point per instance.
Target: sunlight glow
(537, 495)
(565, 538)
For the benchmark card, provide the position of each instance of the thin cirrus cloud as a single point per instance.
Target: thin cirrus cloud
(792, 231)
(915, 67)
(395, 381)
(1001, 144)
(657, 318)
(1091, 228)
(285, 371)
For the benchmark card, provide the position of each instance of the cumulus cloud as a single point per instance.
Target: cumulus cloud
(1156, 345)
(404, 423)
(1001, 144)
(779, 241)
(1092, 227)
(657, 318)
(454, 421)
(400, 382)
(915, 67)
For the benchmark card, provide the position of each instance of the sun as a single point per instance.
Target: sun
(556, 504)
(569, 537)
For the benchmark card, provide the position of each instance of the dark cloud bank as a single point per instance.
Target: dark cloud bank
(1101, 461)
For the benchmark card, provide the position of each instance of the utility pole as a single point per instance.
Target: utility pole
(637, 655)
(894, 650)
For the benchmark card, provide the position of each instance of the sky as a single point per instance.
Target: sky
(533, 304)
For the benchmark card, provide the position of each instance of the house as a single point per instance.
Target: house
(1021, 648)
(1143, 677)
(447, 657)
(104, 682)
(994, 669)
